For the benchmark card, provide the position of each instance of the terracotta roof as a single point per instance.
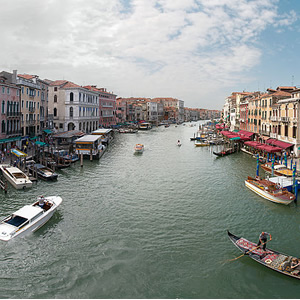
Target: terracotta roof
(26, 76)
(70, 84)
(281, 93)
(58, 82)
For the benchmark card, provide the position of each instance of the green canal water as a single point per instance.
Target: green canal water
(150, 226)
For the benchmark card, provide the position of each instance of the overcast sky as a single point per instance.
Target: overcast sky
(198, 51)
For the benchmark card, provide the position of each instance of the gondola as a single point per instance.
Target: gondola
(272, 259)
(225, 152)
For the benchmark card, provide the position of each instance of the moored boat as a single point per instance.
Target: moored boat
(42, 171)
(29, 218)
(272, 259)
(279, 169)
(139, 148)
(224, 152)
(17, 178)
(269, 190)
(201, 143)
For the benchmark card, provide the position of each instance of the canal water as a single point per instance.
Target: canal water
(150, 226)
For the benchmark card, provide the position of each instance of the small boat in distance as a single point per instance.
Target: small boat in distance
(179, 143)
(269, 190)
(272, 259)
(279, 169)
(139, 148)
(29, 218)
(17, 178)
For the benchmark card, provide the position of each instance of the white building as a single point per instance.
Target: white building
(73, 107)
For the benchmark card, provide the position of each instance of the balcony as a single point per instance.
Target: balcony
(284, 119)
(273, 135)
(31, 109)
(274, 119)
(13, 114)
(294, 119)
(263, 132)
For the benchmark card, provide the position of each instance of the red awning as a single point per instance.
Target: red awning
(253, 144)
(281, 144)
(268, 148)
(246, 133)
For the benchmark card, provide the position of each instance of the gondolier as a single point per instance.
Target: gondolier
(263, 238)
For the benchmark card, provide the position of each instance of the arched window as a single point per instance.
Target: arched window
(3, 126)
(71, 112)
(71, 96)
(55, 98)
(3, 106)
(55, 112)
(79, 126)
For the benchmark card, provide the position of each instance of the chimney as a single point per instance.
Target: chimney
(14, 77)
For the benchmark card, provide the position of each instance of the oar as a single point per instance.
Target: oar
(249, 251)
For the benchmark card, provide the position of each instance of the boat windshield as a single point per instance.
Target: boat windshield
(16, 221)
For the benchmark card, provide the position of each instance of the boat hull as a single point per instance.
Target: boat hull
(37, 223)
(271, 259)
(266, 195)
(18, 184)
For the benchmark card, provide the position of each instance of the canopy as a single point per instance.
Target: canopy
(40, 143)
(48, 131)
(278, 143)
(263, 147)
(18, 153)
(246, 133)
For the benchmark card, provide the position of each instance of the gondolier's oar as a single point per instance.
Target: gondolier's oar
(249, 251)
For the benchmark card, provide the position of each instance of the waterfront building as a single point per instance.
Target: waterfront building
(10, 117)
(173, 109)
(73, 106)
(152, 112)
(121, 110)
(107, 106)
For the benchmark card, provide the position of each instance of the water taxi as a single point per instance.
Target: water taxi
(145, 126)
(42, 171)
(17, 178)
(29, 218)
(201, 143)
(279, 170)
(269, 190)
(139, 148)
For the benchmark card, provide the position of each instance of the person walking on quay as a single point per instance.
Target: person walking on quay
(263, 238)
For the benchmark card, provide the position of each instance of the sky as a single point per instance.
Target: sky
(198, 51)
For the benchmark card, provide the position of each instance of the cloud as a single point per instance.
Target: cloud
(139, 48)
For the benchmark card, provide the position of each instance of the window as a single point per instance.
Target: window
(294, 131)
(55, 112)
(8, 91)
(3, 90)
(71, 97)
(71, 112)
(55, 98)
(3, 106)
(61, 125)
(55, 89)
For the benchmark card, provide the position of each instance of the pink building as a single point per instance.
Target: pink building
(10, 117)
(121, 110)
(107, 106)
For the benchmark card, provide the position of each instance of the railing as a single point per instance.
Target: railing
(267, 133)
(31, 109)
(274, 119)
(13, 113)
(273, 135)
(284, 119)
(294, 119)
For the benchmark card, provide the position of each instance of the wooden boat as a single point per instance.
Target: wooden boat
(179, 144)
(139, 148)
(17, 178)
(272, 259)
(279, 170)
(42, 171)
(201, 143)
(269, 190)
(225, 152)
(29, 218)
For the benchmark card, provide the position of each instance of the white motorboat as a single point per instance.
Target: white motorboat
(139, 148)
(16, 177)
(29, 218)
